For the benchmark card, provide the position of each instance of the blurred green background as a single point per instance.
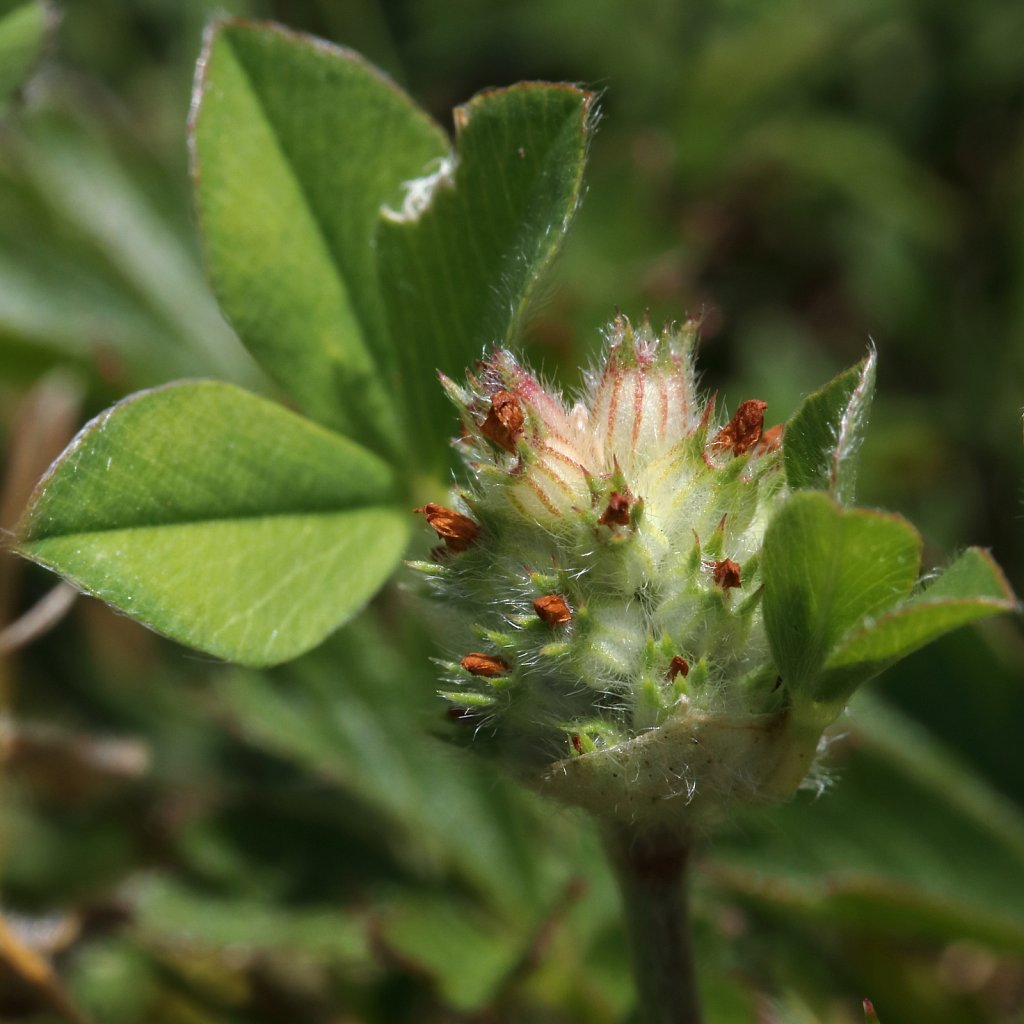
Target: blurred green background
(194, 843)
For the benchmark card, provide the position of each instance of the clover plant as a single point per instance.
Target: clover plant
(650, 609)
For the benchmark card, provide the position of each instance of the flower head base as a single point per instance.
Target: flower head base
(605, 572)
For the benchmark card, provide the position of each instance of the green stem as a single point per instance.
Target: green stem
(651, 871)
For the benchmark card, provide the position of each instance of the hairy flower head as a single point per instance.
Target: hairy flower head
(602, 576)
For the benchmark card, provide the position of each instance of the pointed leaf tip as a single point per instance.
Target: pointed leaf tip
(824, 435)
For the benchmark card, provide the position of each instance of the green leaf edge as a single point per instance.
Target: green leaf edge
(393, 221)
(388, 444)
(846, 675)
(588, 119)
(804, 477)
(806, 694)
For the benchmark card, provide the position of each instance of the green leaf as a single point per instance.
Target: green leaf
(460, 261)
(972, 588)
(168, 914)
(826, 570)
(220, 519)
(824, 435)
(296, 144)
(467, 956)
(23, 31)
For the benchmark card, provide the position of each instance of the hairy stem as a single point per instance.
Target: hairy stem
(651, 868)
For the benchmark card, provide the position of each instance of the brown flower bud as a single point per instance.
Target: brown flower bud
(504, 423)
(743, 431)
(553, 610)
(617, 511)
(677, 667)
(486, 665)
(456, 530)
(726, 573)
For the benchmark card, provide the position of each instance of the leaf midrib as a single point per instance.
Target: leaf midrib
(241, 517)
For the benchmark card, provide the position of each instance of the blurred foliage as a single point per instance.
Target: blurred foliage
(195, 843)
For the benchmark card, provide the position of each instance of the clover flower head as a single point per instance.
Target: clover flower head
(656, 612)
(604, 569)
